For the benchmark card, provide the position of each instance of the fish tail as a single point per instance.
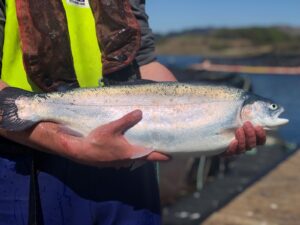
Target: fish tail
(9, 119)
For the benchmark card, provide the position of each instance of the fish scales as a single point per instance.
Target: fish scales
(157, 89)
(177, 117)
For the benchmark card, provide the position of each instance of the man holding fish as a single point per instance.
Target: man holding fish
(48, 47)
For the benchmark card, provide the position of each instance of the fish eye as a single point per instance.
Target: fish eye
(273, 106)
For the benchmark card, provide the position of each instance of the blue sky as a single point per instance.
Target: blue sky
(174, 15)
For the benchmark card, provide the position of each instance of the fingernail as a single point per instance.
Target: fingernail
(137, 113)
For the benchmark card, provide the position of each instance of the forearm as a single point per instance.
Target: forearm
(44, 136)
(156, 71)
(145, 57)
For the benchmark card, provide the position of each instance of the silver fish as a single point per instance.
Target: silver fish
(177, 117)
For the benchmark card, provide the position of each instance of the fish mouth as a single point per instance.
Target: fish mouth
(280, 121)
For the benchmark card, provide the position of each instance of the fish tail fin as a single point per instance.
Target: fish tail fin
(9, 119)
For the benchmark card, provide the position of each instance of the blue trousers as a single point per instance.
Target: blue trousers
(74, 194)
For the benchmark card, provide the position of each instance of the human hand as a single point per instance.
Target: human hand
(107, 146)
(246, 138)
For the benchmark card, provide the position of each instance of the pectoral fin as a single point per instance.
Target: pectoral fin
(142, 152)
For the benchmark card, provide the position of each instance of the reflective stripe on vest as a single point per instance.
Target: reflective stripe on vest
(83, 40)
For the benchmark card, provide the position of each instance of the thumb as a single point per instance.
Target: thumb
(121, 125)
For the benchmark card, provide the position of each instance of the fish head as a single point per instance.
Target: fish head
(263, 112)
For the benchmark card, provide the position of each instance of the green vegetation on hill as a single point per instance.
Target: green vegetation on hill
(231, 42)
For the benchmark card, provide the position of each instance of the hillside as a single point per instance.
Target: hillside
(231, 42)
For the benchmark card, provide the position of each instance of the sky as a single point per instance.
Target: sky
(175, 15)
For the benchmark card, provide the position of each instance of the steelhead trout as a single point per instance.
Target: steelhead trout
(177, 117)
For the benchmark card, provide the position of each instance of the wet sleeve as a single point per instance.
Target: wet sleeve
(146, 53)
(2, 23)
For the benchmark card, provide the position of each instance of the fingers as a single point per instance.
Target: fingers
(120, 126)
(260, 135)
(136, 152)
(136, 163)
(246, 138)
(241, 138)
(156, 156)
(232, 149)
(250, 135)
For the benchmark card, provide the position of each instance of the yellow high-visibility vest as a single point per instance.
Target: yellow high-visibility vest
(83, 40)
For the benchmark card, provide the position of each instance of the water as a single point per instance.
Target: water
(283, 89)
(178, 61)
